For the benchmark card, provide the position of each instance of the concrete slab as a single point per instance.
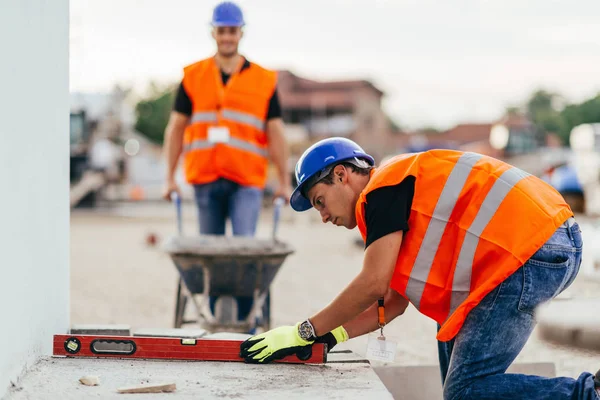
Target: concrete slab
(174, 332)
(95, 329)
(424, 383)
(58, 377)
(573, 322)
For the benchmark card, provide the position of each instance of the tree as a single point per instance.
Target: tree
(542, 108)
(153, 112)
(584, 113)
(512, 110)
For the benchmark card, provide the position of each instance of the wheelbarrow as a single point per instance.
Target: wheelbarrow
(222, 267)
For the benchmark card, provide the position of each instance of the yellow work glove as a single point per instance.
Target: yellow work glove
(338, 335)
(276, 344)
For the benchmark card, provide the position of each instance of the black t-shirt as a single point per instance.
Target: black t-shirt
(388, 208)
(183, 104)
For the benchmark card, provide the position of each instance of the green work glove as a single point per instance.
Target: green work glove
(338, 335)
(276, 344)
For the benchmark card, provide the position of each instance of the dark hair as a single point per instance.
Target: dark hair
(328, 179)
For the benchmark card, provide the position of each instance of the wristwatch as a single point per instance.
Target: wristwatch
(306, 331)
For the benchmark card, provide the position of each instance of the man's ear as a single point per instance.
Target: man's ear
(340, 174)
(213, 33)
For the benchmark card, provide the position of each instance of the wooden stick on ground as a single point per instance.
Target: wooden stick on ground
(151, 388)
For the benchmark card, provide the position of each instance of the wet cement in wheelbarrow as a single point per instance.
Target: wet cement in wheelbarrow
(208, 245)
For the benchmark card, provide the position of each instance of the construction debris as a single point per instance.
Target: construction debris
(90, 380)
(153, 388)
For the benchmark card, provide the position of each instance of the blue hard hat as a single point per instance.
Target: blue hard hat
(227, 14)
(315, 161)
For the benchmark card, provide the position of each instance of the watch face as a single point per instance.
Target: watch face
(305, 331)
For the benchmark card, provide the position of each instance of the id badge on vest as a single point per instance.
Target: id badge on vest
(218, 134)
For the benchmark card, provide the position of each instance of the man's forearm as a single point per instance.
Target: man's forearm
(368, 320)
(278, 151)
(352, 301)
(372, 283)
(173, 145)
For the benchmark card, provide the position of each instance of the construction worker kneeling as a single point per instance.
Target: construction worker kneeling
(472, 242)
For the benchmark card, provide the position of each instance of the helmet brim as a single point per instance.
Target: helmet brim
(298, 201)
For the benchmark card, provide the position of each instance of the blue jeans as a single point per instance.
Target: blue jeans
(473, 364)
(222, 199)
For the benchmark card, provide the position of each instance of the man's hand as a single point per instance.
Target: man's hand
(338, 335)
(170, 186)
(276, 344)
(283, 191)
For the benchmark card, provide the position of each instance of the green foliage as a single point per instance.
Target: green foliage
(584, 113)
(153, 112)
(544, 111)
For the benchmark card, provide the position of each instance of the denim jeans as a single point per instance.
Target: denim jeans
(473, 364)
(222, 199)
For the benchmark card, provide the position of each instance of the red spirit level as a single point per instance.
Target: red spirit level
(164, 348)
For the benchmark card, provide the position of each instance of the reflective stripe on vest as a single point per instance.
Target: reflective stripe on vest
(235, 116)
(244, 118)
(445, 205)
(208, 116)
(233, 142)
(461, 283)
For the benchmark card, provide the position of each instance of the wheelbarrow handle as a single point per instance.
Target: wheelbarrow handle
(277, 205)
(176, 199)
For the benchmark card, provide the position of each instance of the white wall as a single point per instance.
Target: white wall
(34, 180)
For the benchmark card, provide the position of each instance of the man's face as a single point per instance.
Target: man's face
(335, 202)
(227, 38)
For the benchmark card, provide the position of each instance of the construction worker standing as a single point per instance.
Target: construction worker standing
(227, 122)
(470, 241)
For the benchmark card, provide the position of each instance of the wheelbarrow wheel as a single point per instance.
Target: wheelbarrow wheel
(180, 304)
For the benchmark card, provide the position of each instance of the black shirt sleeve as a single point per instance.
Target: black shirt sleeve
(388, 208)
(274, 106)
(183, 104)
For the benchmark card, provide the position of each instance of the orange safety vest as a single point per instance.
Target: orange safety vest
(474, 221)
(241, 106)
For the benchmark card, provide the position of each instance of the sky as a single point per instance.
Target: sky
(438, 62)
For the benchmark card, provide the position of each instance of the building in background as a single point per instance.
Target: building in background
(512, 135)
(313, 110)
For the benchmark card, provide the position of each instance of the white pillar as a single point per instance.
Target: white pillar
(34, 179)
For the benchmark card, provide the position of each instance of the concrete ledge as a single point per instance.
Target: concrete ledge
(574, 323)
(424, 382)
(59, 377)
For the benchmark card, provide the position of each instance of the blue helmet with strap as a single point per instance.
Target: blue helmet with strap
(227, 14)
(317, 161)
